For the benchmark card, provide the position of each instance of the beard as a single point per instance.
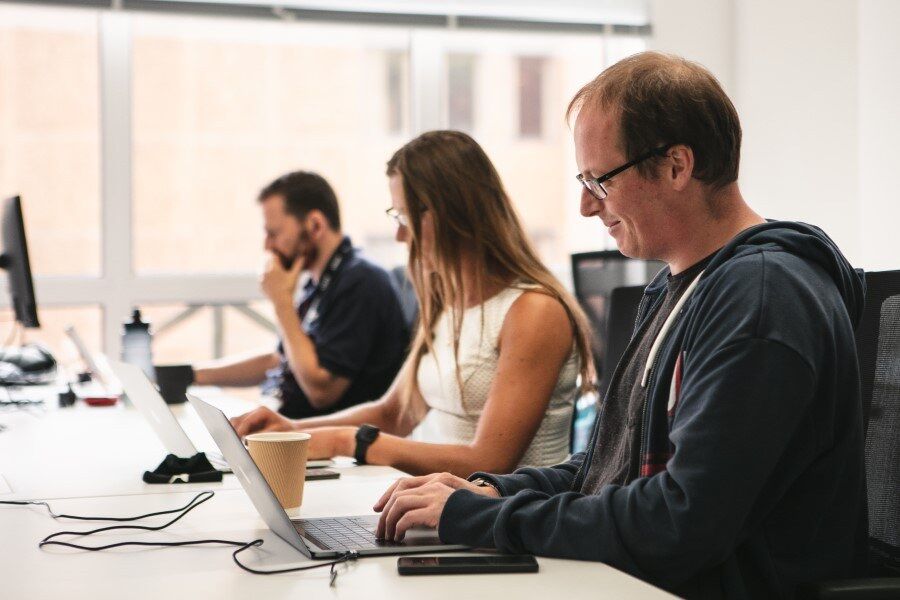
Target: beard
(304, 250)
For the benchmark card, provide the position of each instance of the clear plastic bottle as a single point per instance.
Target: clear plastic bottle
(136, 341)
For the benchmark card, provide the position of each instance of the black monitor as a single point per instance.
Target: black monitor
(14, 259)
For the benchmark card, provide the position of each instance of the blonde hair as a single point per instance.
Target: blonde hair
(449, 175)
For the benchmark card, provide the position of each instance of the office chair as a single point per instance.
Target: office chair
(878, 349)
(409, 304)
(623, 306)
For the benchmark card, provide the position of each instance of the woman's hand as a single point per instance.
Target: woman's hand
(260, 419)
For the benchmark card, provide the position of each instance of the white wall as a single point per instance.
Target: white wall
(879, 132)
(699, 30)
(816, 84)
(796, 91)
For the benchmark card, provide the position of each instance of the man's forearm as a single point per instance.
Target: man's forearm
(313, 379)
(236, 372)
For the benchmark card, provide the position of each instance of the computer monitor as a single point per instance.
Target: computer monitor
(595, 275)
(14, 259)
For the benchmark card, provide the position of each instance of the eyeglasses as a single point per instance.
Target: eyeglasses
(595, 185)
(399, 217)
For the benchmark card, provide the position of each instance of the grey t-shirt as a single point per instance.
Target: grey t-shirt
(616, 458)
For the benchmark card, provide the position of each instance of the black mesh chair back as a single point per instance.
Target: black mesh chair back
(878, 348)
(623, 306)
(409, 304)
(594, 276)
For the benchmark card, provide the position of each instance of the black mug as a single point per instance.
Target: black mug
(173, 382)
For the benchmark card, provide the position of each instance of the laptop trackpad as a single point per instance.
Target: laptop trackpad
(421, 537)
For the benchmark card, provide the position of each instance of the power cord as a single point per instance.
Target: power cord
(196, 501)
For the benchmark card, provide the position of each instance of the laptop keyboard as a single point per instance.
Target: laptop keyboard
(342, 533)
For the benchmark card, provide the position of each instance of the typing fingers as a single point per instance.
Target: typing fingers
(404, 483)
(413, 518)
(403, 504)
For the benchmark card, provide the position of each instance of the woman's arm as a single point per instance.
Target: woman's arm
(388, 414)
(535, 341)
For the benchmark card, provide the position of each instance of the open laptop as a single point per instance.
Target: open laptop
(315, 538)
(144, 395)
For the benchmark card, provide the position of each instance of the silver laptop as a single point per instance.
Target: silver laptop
(315, 538)
(144, 395)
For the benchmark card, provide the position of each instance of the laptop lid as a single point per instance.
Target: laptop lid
(248, 474)
(146, 398)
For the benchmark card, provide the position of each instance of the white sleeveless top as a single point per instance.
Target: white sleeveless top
(448, 422)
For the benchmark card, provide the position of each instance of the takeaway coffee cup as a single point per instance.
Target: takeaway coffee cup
(281, 456)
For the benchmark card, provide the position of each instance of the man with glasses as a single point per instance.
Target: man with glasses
(727, 458)
(344, 341)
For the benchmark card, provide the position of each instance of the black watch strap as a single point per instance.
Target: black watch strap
(365, 435)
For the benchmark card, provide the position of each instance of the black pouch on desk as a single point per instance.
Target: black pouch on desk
(196, 469)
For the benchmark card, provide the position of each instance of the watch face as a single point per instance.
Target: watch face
(367, 433)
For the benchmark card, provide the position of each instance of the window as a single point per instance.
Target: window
(520, 92)
(460, 92)
(223, 107)
(396, 67)
(139, 177)
(206, 332)
(531, 91)
(87, 321)
(50, 133)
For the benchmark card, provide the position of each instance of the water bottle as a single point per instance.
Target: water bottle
(585, 415)
(136, 340)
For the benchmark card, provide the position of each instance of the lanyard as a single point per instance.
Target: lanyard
(331, 270)
(667, 325)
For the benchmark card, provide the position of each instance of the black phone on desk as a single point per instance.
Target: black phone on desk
(314, 474)
(459, 565)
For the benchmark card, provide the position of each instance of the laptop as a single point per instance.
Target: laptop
(144, 395)
(315, 538)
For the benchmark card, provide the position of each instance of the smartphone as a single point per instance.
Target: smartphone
(313, 474)
(458, 565)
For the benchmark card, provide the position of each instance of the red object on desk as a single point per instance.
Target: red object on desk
(101, 400)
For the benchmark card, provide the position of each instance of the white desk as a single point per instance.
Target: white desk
(87, 451)
(89, 462)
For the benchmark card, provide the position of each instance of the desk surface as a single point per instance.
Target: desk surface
(89, 461)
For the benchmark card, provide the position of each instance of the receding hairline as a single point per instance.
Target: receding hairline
(599, 95)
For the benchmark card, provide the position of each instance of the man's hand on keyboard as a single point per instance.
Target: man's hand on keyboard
(419, 501)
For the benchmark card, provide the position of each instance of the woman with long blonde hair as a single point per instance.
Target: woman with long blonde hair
(490, 381)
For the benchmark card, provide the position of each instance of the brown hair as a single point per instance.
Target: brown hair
(304, 192)
(448, 174)
(665, 99)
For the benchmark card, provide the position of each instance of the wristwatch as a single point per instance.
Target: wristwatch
(365, 435)
(482, 482)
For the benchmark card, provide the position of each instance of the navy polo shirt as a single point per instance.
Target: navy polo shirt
(359, 333)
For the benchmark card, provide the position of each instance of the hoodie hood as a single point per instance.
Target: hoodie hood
(802, 240)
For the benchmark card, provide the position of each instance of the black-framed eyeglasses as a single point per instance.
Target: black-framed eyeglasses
(595, 185)
(399, 217)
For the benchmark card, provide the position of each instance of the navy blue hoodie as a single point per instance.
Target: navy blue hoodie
(763, 484)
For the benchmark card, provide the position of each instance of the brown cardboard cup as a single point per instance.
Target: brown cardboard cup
(281, 456)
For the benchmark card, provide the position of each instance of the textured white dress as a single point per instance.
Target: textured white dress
(448, 422)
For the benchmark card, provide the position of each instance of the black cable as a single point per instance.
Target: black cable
(194, 503)
(187, 508)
